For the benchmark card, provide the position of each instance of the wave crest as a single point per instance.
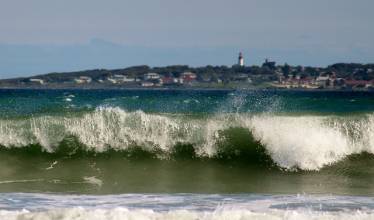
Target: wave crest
(303, 142)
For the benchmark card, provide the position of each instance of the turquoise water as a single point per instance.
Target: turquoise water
(27, 102)
(201, 154)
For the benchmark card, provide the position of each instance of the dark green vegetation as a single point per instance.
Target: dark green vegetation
(340, 76)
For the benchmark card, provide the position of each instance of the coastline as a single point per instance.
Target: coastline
(190, 89)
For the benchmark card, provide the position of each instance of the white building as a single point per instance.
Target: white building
(188, 75)
(114, 81)
(149, 76)
(178, 80)
(147, 84)
(128, 79)
(40, 81)
(83, 79)
(322, 80)
(120, 79)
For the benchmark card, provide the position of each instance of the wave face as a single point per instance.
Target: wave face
(292, 142)
(114, 142)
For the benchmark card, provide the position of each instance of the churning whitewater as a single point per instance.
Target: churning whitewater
(188, 206)
(181, 154)
(306, 142)
(123, 213)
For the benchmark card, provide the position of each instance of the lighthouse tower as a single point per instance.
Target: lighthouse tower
(241, 59)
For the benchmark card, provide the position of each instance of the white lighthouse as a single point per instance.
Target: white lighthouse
(241, 59)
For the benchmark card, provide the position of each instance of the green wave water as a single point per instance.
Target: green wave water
(186, 141)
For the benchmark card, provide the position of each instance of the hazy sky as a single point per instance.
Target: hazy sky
(38, 36)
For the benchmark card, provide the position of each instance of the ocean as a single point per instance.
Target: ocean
(186, 154)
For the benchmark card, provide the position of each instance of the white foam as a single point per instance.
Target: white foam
(21, 181)
(52, 165)
(183, 206)
(148, 214)
(108, 127)
(93, 180)
(312, 142)
(305, 142)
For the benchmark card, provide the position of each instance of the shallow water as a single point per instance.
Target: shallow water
(184, 206)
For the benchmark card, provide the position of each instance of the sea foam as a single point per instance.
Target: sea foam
(183, 206)
(123, 213)
(303, 142)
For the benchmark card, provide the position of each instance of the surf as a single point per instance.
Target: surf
(184, 206)
(304, 142)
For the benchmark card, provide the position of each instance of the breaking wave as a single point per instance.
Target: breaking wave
(292, 142)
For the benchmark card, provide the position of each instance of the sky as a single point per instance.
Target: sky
(41, 36)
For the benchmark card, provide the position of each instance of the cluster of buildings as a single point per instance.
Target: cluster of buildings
(155, 79)
(324, 80)
(269, 75)
(309, 82)
(146, 80)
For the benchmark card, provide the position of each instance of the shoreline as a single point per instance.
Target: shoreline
(189, 89)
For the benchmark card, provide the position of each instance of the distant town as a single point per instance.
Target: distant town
(339, 76)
